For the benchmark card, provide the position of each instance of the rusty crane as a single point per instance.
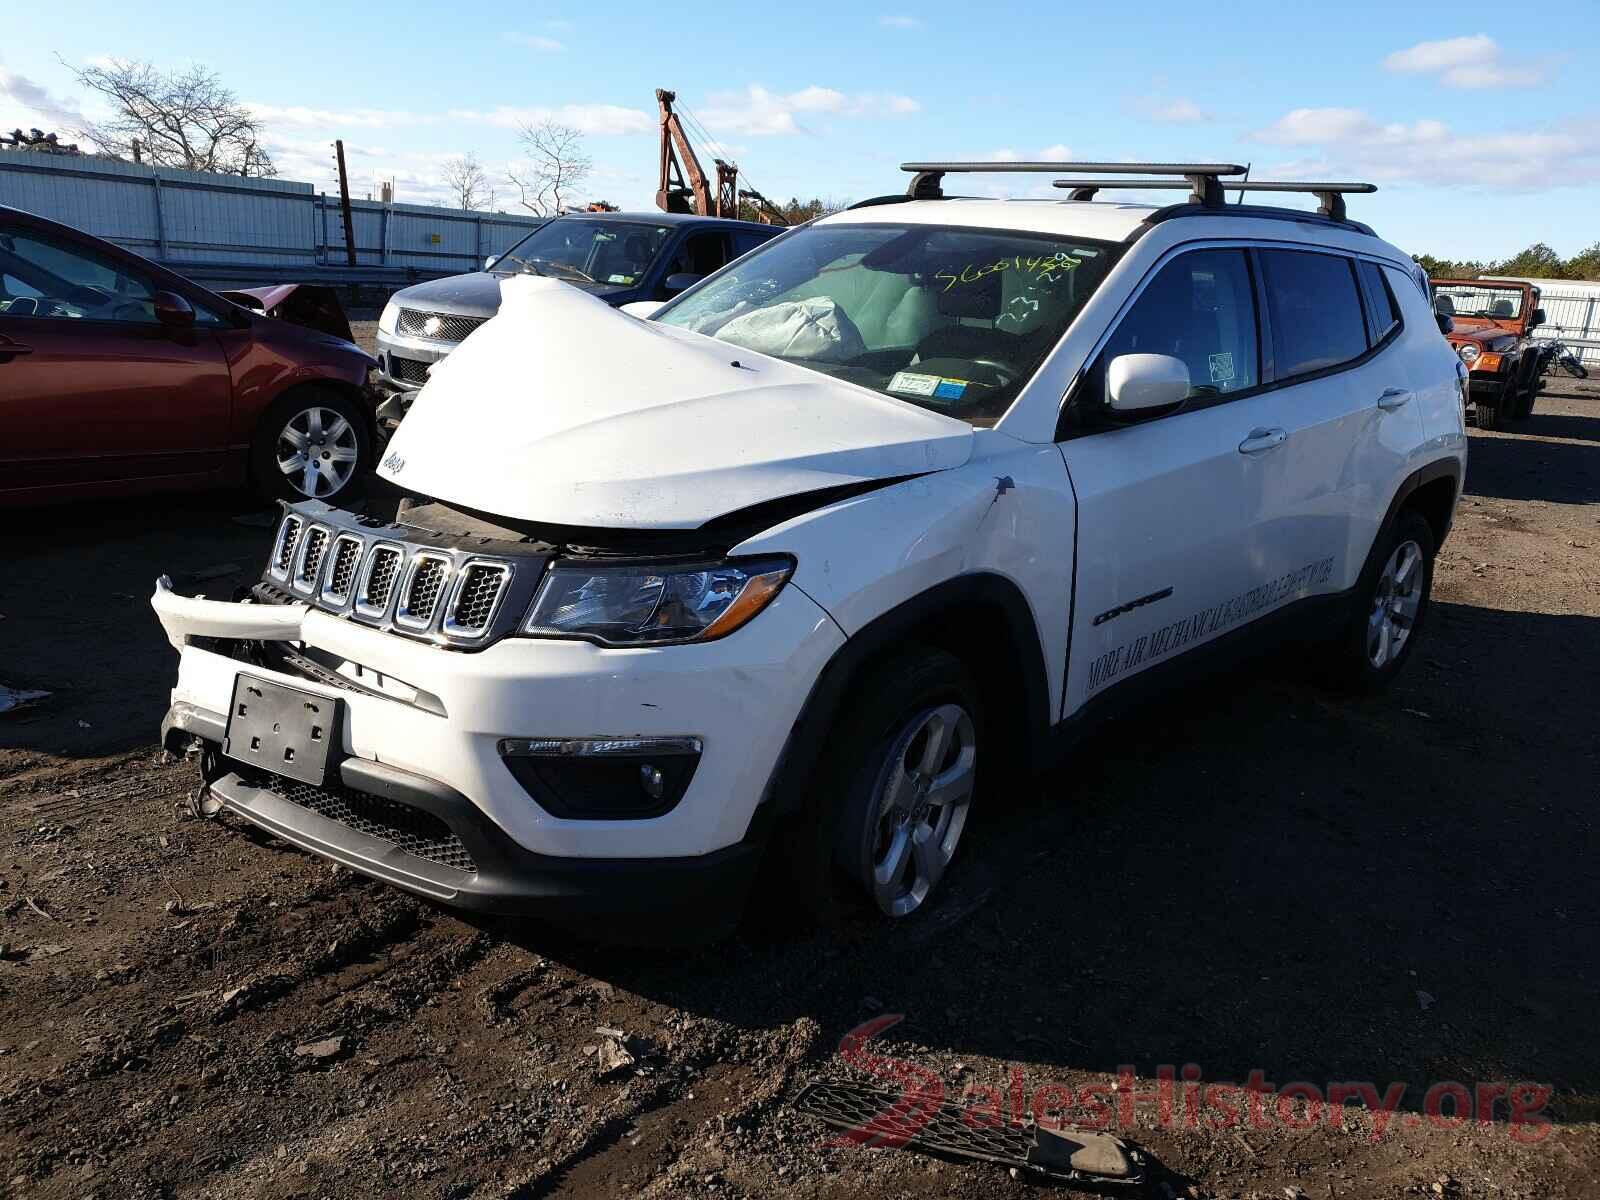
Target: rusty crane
(682, 185)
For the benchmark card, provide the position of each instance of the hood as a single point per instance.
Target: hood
(566, 411)
(478, 294)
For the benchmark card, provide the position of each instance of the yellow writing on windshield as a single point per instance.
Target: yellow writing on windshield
(1044, 268)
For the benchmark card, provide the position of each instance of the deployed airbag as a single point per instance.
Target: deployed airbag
(815, 328)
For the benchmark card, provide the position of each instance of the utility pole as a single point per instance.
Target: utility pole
(344, 205)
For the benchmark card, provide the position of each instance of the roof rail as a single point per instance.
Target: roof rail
(1330, 195)
(1202, 178)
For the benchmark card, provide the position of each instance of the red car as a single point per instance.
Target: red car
(118, 376)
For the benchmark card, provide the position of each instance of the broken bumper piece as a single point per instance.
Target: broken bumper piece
(424, 836)
(1081, 1157)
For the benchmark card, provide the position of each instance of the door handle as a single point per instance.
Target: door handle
(1393, 398)
(10, 350)
(1261, 440)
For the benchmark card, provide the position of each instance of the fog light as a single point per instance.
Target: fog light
(603, 778)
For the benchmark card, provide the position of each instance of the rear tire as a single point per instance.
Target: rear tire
(312, 444)
(891, 795)
(1391, 608)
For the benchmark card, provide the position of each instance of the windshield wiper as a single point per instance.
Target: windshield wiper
(578, 271)
(531, 264)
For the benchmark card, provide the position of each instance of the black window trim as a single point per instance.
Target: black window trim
(1269, 382)
(1375, 337)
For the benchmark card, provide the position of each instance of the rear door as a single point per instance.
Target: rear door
(1345, 405)
(92, 387)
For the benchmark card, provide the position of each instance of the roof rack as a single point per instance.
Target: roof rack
(1330, 195)
(1201, 178)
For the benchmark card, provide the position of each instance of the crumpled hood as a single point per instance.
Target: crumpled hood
(567, 411)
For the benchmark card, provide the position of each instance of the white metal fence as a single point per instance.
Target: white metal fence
(224, 229)
(1572, 314)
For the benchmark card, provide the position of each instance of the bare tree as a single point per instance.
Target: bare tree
(556, 166)
(468, 184)
(182, 119)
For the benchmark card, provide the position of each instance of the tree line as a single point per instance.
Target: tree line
(1538, 261)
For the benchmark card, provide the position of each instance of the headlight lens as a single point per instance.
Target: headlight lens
(1469, 354)
(391, 314)
(648, 604)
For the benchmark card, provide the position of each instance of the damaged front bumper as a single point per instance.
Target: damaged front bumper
(419, 790)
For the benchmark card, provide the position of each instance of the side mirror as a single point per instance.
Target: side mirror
(1143, 384)
(1447, 324)
(172, 310)
(681, 282)
(490, 261)
(1538, 317)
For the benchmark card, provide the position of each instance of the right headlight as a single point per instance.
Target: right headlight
(1469, 353)
(654, 603)
(386, 321)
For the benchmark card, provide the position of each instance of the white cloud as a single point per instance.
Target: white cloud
(1471, 61)
(598, 119)
(1353, 144)
(300, 117)
(759, 112)
(31, 105)
(535, 41)
(900, 22)
(1181, 111)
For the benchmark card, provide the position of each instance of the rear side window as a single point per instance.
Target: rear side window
(1317, 321)
(1199, 308)
(1380, 303)
(745, 241)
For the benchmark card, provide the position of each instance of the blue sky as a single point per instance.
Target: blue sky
(1480, 142)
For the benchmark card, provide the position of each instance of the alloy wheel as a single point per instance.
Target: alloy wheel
(317, 452)
(923, 795)
(1395, 605)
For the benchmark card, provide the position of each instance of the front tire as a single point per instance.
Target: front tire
(312, 444)
(892, 793)
(1394, 593)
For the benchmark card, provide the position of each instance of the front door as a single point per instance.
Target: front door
(92, 387)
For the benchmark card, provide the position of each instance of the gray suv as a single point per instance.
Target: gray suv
(620, 257)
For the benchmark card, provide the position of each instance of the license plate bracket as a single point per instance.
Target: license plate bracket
(284, 730)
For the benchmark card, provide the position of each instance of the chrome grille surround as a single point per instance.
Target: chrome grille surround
(402, 579)
(475, 600)
(283, 547)
(378, 576)
(426, 582)
(344, 564)
(309, 558)
(446, 327)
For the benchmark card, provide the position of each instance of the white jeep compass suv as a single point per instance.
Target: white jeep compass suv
(763, 583)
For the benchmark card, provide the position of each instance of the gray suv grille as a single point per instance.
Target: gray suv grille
(438, 327)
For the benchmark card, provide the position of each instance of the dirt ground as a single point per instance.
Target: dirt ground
(1253, 876)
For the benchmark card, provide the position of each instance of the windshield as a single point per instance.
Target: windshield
(1468, 300)
(954, 320)
(584, 251)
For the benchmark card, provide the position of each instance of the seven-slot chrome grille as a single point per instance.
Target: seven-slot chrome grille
(378, 575)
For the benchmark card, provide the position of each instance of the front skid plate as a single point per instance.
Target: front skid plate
(881, 1116)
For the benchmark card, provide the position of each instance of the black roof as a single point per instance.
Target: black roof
(656, 217)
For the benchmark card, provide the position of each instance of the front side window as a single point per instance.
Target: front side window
(1317, 320)
(954, 320)
(42, 277)
(1200, 308)
(584, 251)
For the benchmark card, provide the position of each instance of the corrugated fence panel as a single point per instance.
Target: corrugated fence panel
(216, 225)
(1572, 314)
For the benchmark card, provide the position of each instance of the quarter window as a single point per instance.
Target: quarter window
(1317, 320)
(1199, 308)
(1385, 313)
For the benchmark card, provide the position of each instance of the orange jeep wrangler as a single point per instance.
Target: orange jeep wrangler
(1491, 327)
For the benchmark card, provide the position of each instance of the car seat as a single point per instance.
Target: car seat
(1444, 306)
(1501, 308)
